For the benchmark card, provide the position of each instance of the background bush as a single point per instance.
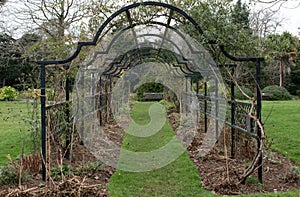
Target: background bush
(148, 87)
(32, 93)
(238, 94)
(279, 93)
(8, 93)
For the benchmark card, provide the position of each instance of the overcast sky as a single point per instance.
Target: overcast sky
(289, 14)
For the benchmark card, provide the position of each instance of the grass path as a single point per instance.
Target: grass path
(179, 178)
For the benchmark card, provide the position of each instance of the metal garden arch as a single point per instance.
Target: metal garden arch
(150, 41)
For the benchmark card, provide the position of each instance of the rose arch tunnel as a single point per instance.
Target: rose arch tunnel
(145, 43)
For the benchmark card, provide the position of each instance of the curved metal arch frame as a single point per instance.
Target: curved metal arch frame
(139, 46)
(114, 15)
(43, 63)
(126, 60)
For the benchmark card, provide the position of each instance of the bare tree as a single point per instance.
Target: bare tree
(54, 17)
(59, 22)
(2, 2)
(265, 20)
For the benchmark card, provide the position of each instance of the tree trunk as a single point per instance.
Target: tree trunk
(281, 74)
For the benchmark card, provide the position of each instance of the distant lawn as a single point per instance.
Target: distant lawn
(179, 178)
(283, 126)
(13, 130)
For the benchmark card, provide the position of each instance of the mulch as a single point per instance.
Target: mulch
(220, 173)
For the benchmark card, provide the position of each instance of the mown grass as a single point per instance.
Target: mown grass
(179, 178)
(14, 131)
(282, 125)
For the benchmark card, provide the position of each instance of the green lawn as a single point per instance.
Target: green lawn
(283, 126)
(179, 178)
(13, 130)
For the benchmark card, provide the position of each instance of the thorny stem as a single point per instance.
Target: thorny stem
(226, 155)
(259, 152)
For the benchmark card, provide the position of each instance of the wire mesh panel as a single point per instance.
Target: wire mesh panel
(142, 43)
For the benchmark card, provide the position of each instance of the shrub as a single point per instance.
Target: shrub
(10, 174)
(148, 87)
(8, 93)
(36, 93)
(238, 94)
(32, 93)
(279, 93)
(50, 94)
(167, 104)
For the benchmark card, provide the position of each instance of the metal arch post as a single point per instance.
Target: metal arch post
(197, 86)
(205, 107)
(109, 96)
(217, 109)
(43, 120)
(185, 96)
(232, 116)
(197, 93)
(258, 114)
(92, 96)
(68, 136)
(100, 99)
(82, 108)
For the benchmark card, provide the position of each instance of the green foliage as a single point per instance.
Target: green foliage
(148, 87)
(279, 93)
(10, 174)
(280, 51)
(87, 168)
(16, 62)
(8, 93)
(252, 180)
(32, 93)
(50, 94)
(9, 57)
(238, 94)
(293, 173)
(57, 172)
(294, 86)
(225, 23)
(240, 15)
(280, 46)
(167, 104)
